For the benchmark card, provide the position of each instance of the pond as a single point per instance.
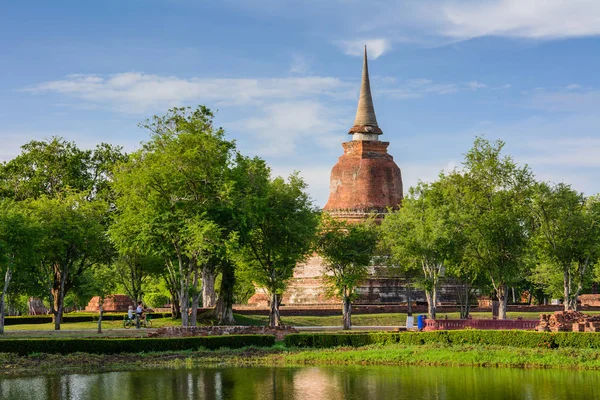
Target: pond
(323, 383)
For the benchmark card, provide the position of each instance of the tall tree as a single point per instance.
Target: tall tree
(347, 250)
(50, 167)
(73, 240)
(421, 235)
(567, 236)
(282, 228)
(492, 195)
(19, 237)
(171, 190)
(133, 270)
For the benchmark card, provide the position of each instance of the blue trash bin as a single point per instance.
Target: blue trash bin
(421, 322)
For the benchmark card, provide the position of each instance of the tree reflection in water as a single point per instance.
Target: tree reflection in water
(299, 383)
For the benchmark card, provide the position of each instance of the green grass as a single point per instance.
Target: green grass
(388, 319)
(460, 355)
(358, 320)
(278, 355)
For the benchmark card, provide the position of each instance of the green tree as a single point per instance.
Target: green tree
(50, 167)
(420, 235)
(171, 192)
(347, 250)
(73, 239)
(19, 237)
(282, 228)
(492, 196)
(567, 236)
(133, 270)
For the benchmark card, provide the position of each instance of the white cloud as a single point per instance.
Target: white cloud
(567, 152)
(568, 100)
(279, 127)
(573, 86)
(435, 22)
(413, 88)
(375, 47)
(299, 65)
(135, 92)
(474, 85)
(547, 19)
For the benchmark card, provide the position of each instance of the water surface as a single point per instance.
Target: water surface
(322, 383)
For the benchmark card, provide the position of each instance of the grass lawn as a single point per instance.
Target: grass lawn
(279, 355)
(115, 328)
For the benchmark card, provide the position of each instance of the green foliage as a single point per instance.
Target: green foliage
(53, 166)
(73, 241)
(114, 346)
(282, 228)
(422, 235)
(44, 319)
(19, 246)
(347, 250)
(172, 193)
(281, 222)
(490, 201)
(523, 339)
(567, 239)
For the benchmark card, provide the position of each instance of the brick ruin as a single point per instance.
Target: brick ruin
(566, 321)
(364, 181)
(112, 303)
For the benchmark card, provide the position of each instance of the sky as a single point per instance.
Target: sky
(283, 77)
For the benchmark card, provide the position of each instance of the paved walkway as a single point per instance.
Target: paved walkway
(354, 328)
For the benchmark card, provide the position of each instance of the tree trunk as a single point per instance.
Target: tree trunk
(224, 309)
(431, 297)
(409, 308)
(502, 295)
(223, 313)
(274, 317)
(347, 313)
(175, 310)
(7, 278)
(567, 289)
(467, 301)
(184, 306)
(59, 296)
(195, 300)
(100, 311)
(209, 297)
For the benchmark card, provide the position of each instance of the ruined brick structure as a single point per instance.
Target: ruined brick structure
(112, 303)
(365, 179)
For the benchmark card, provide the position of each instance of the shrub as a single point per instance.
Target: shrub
(46, 319)
(525, 339)
(132, 345)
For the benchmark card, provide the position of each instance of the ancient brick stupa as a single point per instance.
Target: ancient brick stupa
(366, 179)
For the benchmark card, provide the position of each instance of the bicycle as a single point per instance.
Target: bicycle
(130, 322)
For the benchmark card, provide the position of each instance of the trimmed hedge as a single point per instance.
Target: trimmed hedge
(132, 345)
(46, 319)
(526, 339)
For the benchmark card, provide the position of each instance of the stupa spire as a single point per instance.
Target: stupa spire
(365, 121)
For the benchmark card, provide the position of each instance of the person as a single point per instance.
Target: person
(139, 311)
(130, 313)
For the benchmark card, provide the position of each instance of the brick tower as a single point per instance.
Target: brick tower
(365, 179)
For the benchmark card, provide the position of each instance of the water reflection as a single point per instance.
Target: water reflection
(323, 383)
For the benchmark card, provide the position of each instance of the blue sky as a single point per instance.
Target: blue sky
(284, 75)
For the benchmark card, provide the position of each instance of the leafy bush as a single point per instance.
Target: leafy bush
(46, 319)
(132, 345)
(525, 339)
